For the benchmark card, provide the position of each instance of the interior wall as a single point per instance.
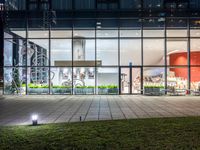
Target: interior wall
(181, 58)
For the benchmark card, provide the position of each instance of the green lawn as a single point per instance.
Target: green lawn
(166, 133)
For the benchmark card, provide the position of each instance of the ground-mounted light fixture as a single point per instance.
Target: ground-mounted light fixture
(34, 119)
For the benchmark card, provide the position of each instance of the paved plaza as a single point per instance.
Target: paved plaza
(17, 110)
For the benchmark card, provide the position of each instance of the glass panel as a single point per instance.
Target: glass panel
(130, 4)
(154, 80)
(153, 33)
(130, 23)
(38, 34)
(84, 33)
(156, 4)
(195, 27)
(177, 79)
(130, 52)
(195, 80)
(83, 52)
(176, 23)
(61, 52)
(61, 33)
(195, 52)
(14, 52)
(107, 80)
(38, 80)
(84, 4)
(61, 80)
(130, 33)
(38, 28)
(136, 80)
(84, 80)
(1, 81)
(16, 28)
(62, 4)
(107, 52)
(153, 53)
(177, 51)
(107, 24)
(61, 24)
(125, 80)
(14, 80)
(177, 33)
(38, 52)
(84, 24)
(107, 33)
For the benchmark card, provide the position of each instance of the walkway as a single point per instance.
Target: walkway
(16, 110)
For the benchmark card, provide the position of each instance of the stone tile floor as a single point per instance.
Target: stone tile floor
(17, 110)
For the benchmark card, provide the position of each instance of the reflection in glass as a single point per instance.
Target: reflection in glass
(14, 52)
(15, 80)
(38, 80)
(154, 80)
(38, 52)
(61, 80)
(177, 79)
(61, 52)
(84, 80)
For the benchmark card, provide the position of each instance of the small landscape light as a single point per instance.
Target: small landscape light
(34, 120)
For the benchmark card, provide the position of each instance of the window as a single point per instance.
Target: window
(38, 80)
(130, 52)
(38, 52)
(61, 52)
(153, 54)
(177, 51)
(130, 4)
(83, 52)
(84, 80)
(107, 80)
(107, 52)
(61, 80)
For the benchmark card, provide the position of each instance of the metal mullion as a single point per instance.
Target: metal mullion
(72, 56)
(142, 53)
(119, 56)
(165, 51)
(26, 53)
(49, 75)
(189, 55)
(95, 62)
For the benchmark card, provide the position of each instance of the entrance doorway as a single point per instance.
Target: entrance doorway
(130, 80)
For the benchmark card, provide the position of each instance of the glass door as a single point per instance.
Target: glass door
(130, 82)
(125, 80)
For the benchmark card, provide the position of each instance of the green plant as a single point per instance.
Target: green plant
(31, 85)
(107, 86)
(61, 86)
(154, 86)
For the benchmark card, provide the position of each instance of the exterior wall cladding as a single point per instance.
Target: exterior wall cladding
(66, 47)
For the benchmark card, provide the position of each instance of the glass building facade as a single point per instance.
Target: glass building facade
(69, 47)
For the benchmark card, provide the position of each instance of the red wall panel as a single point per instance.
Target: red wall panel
(181, 59)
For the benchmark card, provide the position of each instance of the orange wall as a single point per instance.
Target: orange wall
(181, 59)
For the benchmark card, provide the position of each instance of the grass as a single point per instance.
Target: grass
(165, 133)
